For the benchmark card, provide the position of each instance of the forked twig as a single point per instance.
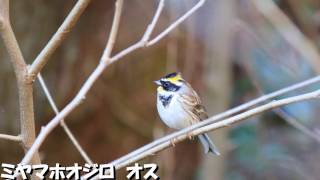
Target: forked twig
(26, 76)
(104, 62)
(25, 88)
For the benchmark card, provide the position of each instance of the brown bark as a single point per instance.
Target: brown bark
(25, 88)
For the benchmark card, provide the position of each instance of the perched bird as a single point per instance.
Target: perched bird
(179, 106)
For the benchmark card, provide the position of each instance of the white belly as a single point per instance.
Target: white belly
(174, 116)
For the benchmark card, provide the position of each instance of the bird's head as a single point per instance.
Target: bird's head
(170, 83)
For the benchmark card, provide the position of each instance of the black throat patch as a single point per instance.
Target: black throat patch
(165, 100)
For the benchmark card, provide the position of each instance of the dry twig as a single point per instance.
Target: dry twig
(25, 76)
(240, 25)
(57, 38)
(222, 115)
(62, 123)
(10, 137)
(205, 126)
(104, 62)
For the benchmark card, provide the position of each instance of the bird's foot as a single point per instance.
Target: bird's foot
(190, 135)
(173, 142)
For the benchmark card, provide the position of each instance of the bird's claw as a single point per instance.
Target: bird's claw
(173, 142)
(190, 136)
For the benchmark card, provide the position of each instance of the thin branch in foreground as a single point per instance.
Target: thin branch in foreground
(82, 93)
(58, 37)
(240, 25)
(204, 127)
(11, 137)
(228, 113)
(62, 123)
(298, 125)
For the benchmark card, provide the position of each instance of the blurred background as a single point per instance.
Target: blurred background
(230, 51)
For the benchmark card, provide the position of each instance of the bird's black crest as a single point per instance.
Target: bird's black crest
(171, 75)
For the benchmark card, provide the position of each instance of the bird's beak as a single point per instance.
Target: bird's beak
(157, 82)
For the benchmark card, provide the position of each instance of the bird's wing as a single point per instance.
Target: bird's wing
(200, 111)
(192, 105)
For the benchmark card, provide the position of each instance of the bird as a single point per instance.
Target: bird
(179, 106)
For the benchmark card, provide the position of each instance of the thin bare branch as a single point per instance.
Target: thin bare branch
(153, 23)
(25, 88)
(240, 25)
(205, 126)
(58, 37)
(82, 93)
(298, 125)
(268, 97)
(11, 137)
(230, 112)
(176, 23)
(75, 142)
(114, 31)
(145, 42)
(10, 41)
(62, 123)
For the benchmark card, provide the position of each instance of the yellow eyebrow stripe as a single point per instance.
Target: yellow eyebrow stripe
(175, 79)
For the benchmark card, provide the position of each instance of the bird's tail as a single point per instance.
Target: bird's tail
(208, 144)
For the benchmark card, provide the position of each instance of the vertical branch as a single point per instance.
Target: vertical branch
(25, 88)
(27, 124)
(114, 31)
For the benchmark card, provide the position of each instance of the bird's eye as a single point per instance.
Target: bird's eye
(165, 84)
(168, 86)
